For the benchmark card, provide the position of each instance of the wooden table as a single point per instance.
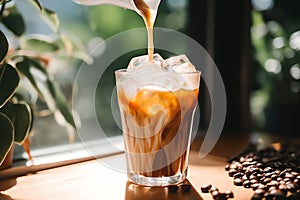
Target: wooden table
(92, 180)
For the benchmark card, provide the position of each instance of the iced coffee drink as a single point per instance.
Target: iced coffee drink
(157, 101)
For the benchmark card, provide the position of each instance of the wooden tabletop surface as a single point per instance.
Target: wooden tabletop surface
(94, 180)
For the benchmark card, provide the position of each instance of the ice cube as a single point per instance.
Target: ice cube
(142, 60)
(179, 64)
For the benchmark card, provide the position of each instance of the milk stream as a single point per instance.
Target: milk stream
(146, 8)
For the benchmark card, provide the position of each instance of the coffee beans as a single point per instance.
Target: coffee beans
(271, 173)
(238, 182)
(215, 193)
(205, 188)
(229, 194)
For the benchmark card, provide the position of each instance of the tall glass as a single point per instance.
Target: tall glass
(157, 125)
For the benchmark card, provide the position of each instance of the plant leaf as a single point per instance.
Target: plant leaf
(20, 116)
(51, 19)
(24, 67)
(38, 4)
(9, 81)
(40, 44)
(3, 46)
(61, 103)
(14, 21)
(49, 91)
(6, 136)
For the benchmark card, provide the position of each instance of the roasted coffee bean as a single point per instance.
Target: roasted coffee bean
(260, 165)
(231, 172)
(272, 183)
(242, 159)
(252, 176)
(247, 184)
(227, 167)
(238, 175)
(229, 194)
(268, 196)
(215, 194)
(277, 172)
(267, 180)
(255, 186)
(186, 187)
(272, 188)
(244, 178)
(286, 179)
(279, 179)
(262, 186)
(205, 188)
(213, 188)
(290, 176)
(282, 187)
(238, 182)
(268, 169)
(277, 194)
(246, 164)
(295, 174)
(274, 176)
(260, 192)
(233, 166)
(253, 181)
(282, 182)
(268, 175)
(221, 196)
(259, 176)
(257, 197)
(172, 188)
(296, 182)
(291, 187)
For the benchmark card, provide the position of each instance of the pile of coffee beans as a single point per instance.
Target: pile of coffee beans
(272, 172)
(215, 193)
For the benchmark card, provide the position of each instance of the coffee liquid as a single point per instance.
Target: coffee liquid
(146, 13)
(156, 127)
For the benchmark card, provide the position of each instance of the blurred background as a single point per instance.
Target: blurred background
(254, 43)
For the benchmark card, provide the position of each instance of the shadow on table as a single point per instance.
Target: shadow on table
(5, 184)
(135, 192)
(5, 197)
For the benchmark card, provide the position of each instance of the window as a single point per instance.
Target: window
(275, 38)
(90, 25)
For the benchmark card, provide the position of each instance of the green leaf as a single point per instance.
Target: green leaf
(48, 90)
(6, 136)
(61, 103)
(40, 44)
(9, 81)
(24, 67)
(37, 76)
(14, 21)
(51, 18)
(3, 46)
(38, 4)
(20, 116)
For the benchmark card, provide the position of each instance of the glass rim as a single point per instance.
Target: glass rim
(125, 71)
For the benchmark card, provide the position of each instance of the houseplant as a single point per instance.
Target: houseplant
(27, 57)
(275, 105)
